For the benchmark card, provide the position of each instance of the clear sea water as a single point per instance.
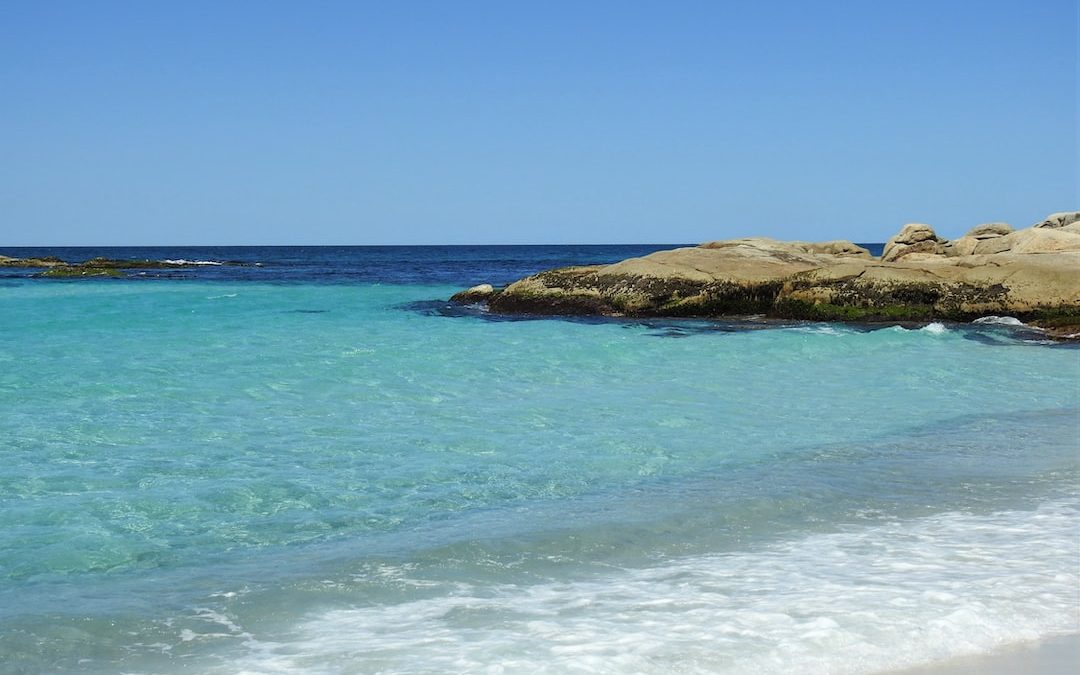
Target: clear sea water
(317, 465)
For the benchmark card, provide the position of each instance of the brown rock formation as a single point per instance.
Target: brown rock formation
(1032, 274)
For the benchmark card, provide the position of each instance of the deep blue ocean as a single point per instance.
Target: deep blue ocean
(311, 462)
(447, 265)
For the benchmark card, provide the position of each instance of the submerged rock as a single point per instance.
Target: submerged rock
(102, 266)
(47, 261)
(68, 272)
(132, 264)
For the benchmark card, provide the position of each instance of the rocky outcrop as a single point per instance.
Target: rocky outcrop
(1033, 274)
(995, 238)
(912, 238)
(1043, 241)
(946, 288)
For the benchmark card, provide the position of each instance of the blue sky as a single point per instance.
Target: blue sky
(530, 122)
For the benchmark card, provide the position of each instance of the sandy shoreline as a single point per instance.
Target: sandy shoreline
(1053, 656)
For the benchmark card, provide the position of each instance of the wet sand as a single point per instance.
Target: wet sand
(1055, 656)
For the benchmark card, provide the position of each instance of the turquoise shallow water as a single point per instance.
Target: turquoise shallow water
(248, 477)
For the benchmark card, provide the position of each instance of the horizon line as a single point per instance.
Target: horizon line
(624, 243)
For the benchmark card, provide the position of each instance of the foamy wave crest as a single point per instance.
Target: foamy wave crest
(859, 601)
(999, 320)
(935, 328)
(181, 261)
(824, 329)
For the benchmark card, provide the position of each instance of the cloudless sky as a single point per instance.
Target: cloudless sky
(530, 122)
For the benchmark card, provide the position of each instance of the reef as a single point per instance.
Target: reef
(54, 267)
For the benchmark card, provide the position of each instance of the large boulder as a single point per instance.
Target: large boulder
(1060, 219)
(988, 246)
(1030, 240)
(989, 230)
(912, 238)
(970, 243)
(1044, 240)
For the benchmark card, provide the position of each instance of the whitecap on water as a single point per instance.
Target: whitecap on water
(182, 261)
(824, 329)
(999, 321)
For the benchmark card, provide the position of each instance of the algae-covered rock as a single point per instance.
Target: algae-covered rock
(114, 263)
(132, 264)
(45, 261)
(99, 266)
(77, 271)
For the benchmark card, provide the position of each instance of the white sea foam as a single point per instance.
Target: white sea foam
(999, 320)
(218, 297)
(858, 601)
(182, 261)
(934, 328)
(823, 329)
